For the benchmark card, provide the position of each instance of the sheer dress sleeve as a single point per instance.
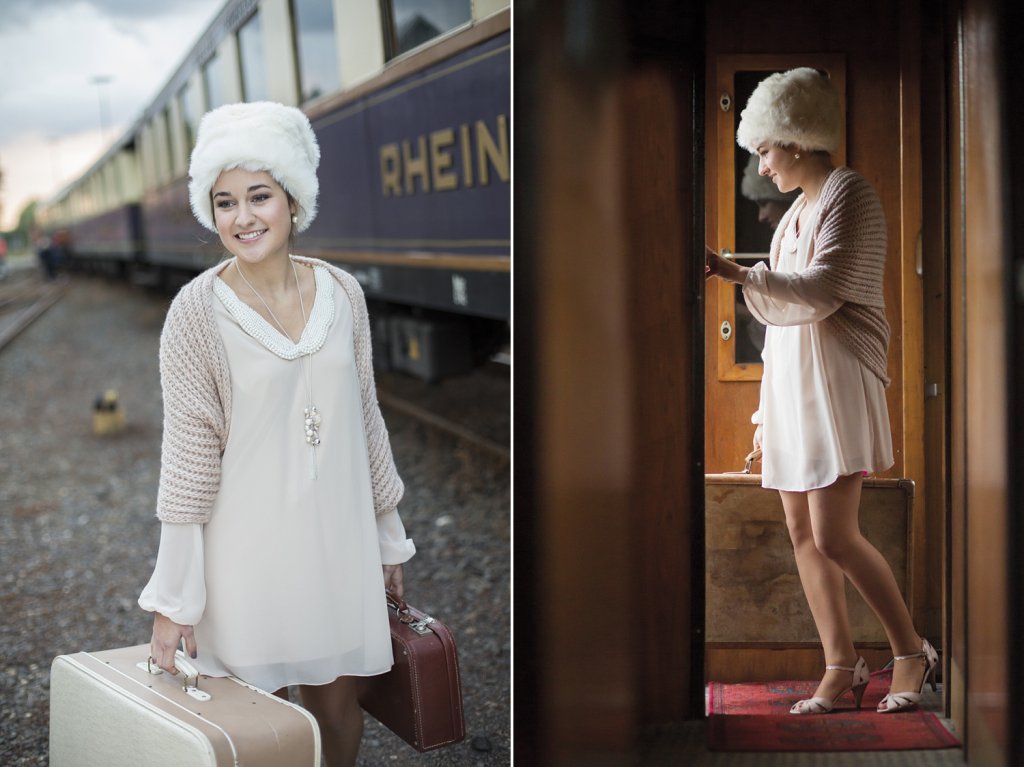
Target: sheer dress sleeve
(395, 547)
(177, 588)
(787, 298)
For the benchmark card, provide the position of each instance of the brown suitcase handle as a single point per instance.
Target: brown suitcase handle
(754, 455)
(420, 624)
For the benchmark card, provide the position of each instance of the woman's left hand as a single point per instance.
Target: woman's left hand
(393, 580)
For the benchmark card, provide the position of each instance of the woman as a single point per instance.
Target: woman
(278, 490)
(822, 423)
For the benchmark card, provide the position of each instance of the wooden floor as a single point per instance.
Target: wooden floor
(687, 744)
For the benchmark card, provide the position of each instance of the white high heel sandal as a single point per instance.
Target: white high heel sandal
(818, 705)
(905, 701)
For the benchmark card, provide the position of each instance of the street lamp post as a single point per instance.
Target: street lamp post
(54, 159)
(99, 81)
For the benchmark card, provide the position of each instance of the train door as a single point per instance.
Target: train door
(926, 104)
(875, 69)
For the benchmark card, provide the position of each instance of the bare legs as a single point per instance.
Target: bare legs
(827, 542)
(336, 708)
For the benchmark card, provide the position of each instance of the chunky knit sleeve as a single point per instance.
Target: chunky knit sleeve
(196, 408)
(849, 244)
(387, 485)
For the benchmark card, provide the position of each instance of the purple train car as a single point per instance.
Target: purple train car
(410, 100)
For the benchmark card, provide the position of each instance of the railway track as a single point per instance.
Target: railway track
(441, 423)
(24, 296)
(474, 408)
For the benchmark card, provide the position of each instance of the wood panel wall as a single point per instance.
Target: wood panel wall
(1011, 22)
(663, 314)
(985, 317)
(613, 301)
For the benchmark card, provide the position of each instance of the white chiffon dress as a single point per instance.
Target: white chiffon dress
(284, 584)
(822, 411)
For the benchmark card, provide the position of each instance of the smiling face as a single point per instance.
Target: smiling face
(778, 164)
(253, 215)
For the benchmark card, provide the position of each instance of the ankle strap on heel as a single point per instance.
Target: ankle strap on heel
(840, 668)
(927, 651)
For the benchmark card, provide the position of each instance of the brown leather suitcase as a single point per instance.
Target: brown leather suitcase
(420, 699)
(107, 709)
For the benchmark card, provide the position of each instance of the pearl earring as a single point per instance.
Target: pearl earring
(295, 219)
(796, 156)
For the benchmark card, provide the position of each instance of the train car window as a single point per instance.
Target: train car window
(189, 110)
(214, 78)
(108, 195)
(748, 207)
(250, 52)
(316, 48)
(411, 23)
(168, 146)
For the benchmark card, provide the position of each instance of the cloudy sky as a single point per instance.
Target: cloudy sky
(51, 50)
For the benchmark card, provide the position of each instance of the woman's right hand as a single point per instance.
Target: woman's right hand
(757, 437)
(167, 636)
(723, 268)
(714, 264)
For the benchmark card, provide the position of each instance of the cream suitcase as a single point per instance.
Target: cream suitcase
(108, 710)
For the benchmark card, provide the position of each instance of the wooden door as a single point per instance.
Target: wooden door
(877, 70)
(740, 225)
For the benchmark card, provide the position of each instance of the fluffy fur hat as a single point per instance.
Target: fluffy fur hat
(261, 135)
(799, 107)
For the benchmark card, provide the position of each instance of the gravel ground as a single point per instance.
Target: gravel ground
(78, 537)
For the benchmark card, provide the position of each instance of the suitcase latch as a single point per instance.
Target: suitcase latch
(195, 692)
(422, 626)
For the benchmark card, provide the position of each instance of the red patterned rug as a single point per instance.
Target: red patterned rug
(755, 717)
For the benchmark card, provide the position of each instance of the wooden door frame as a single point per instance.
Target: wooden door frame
(1014, 89)
(986, 354)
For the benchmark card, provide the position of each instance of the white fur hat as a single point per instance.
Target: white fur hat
(261, 135)
(795, 108)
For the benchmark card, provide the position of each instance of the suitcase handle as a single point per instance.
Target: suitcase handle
(187, 670)
(421, 625)
(754, 455)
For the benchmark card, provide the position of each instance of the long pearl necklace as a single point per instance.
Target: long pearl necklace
(311, 416)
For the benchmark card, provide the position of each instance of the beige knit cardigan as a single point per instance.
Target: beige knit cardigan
(849, 263)
(196, 385)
